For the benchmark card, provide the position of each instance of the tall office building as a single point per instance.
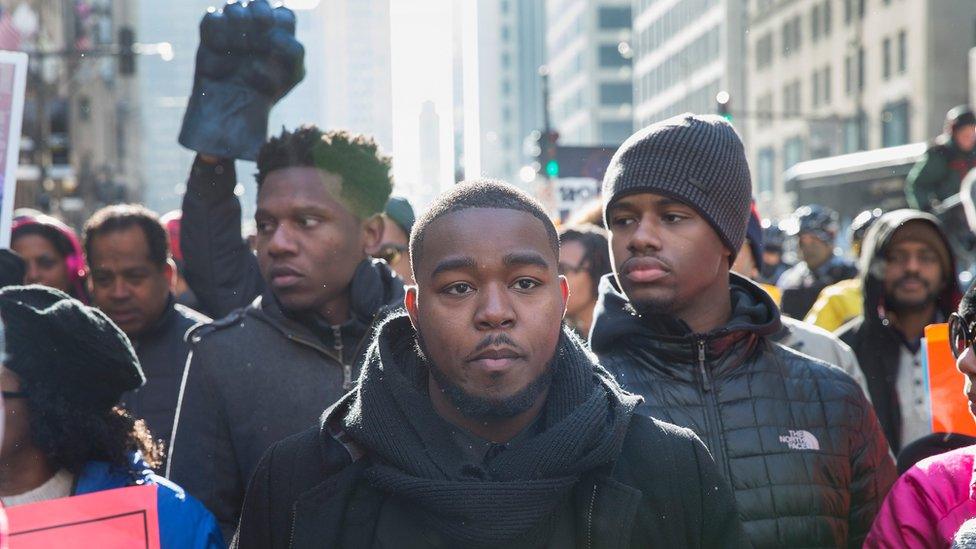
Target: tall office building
(590, 57)
(685, 53)
(829, 77)
(430, 154)
(499, 46)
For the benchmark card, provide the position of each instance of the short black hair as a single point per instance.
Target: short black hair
(58, 240)
(596, 250)
(356, 158)
(120, 217)
(480, 193)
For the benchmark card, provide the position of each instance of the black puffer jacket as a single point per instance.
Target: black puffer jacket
(796, 438)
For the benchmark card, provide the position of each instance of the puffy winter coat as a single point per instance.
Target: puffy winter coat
(929, 503)
(795, 437)
(184, 523)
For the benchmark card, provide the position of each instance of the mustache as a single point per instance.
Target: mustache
(912, 277)
(497, 341)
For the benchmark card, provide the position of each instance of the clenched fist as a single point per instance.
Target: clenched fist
(248, 59)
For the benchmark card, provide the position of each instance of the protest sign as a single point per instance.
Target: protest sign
(950, 409)
(13, 81)
(112, 519)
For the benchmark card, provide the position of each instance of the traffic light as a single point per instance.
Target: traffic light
(127, 56)
(547, 158)
(722, 101)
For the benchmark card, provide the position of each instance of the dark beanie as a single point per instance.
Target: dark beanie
(698, 160)
(56, 340)
(924, 232)
(401, 212)
(754, 236)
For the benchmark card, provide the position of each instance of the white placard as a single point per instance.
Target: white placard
(574, 192)
(13, 82)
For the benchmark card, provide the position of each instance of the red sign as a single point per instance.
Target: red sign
(124, 518)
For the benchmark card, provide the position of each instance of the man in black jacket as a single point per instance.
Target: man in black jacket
(131, 278)
(481, 421)
(908, 281)
(268, 370)
(797, 440)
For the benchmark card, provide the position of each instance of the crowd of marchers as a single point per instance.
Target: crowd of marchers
(652, 373)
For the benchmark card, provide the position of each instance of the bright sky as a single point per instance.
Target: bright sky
(421, 40)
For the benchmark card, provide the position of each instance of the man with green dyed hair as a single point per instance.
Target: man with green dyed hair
(272, 365)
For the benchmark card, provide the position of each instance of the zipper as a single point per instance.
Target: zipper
(346, 368)
(589, 519)
(701, 365)
(713, 421)
(291, 533)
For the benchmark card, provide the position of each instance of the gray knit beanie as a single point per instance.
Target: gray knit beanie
(696, 159)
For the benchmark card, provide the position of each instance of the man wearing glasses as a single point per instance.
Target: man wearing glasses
(398, 220)
(909, 281)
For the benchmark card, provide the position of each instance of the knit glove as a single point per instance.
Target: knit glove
(248, 59)
(12, 269)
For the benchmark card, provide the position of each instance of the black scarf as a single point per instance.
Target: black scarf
(585, 418)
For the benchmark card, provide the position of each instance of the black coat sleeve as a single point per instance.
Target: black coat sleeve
(720, 518)
(219, 266)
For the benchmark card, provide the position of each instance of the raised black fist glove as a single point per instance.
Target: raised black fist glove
(248, 59)
(12, 269)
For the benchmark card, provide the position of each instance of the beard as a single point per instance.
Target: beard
(896, 304)
(481, 408)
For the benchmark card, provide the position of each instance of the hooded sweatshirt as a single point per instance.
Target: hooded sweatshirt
(795, 438)
(876, 343)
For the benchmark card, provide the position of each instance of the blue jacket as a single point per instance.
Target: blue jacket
(183, 521)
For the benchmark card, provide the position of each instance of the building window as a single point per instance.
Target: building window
(767, 160)
(764, 51)
(902, 51)
(853, 10)
(848, 75)
(616, 132)
(815, 88)
(764, 110)
(616, 94)
(894, 124)
(855, 136)
(506, 59)
(826, 84)
(614, 17)
(860, 69)
(505, 32)
(792, 152)
(610, 57)
(815, 23)
(886, 58)
(828, 17)
(792, 36)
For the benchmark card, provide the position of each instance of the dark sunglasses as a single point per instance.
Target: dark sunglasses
(960, 334)
(391, 253)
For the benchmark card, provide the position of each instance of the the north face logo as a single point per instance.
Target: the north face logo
(800, 440)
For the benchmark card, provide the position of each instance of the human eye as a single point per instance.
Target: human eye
(308, 222)
(673, 217)
(526, 284)
(458, 289)
(264, 226)
(622, 221)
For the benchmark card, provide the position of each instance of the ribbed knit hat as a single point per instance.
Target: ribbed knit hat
(696, 159)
